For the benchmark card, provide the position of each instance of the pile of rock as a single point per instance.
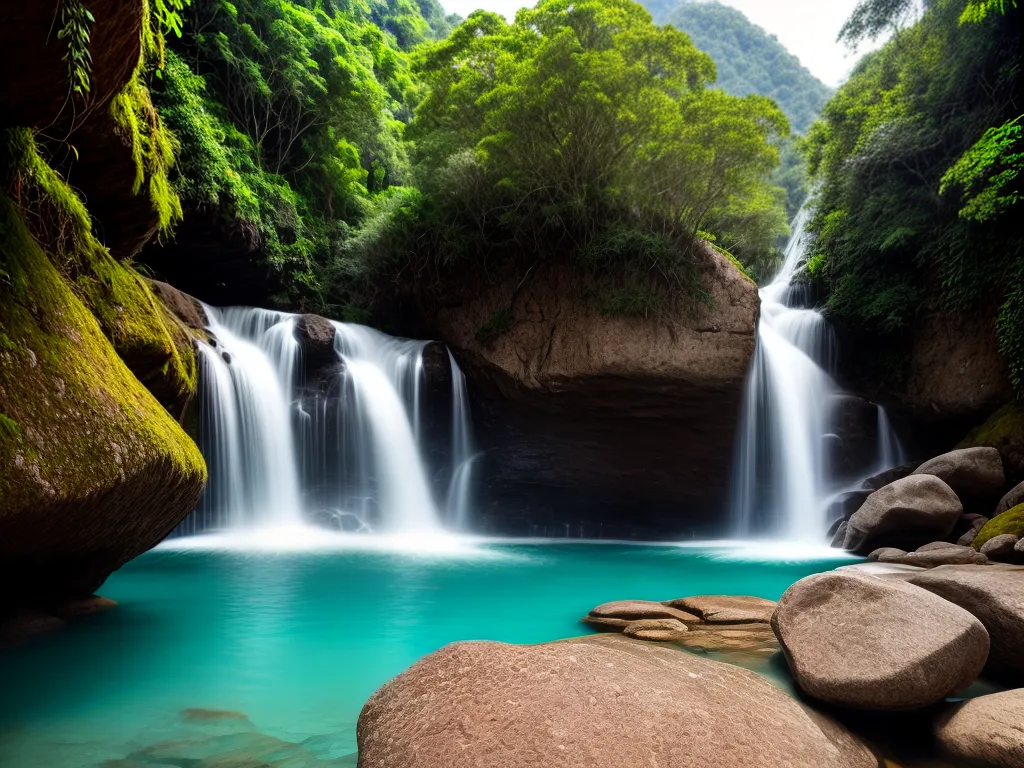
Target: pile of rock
(699, 623)
(921, 520)
(902, 637)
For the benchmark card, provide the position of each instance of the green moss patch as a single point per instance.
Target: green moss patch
(1004, 430)
(1011, 521)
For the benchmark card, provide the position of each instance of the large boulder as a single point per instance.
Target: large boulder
(987, 731)
(995, 595)
(578, 410)
(906, 513)
(857, 640)
(972, 473)
(592, 701)
(95, 470)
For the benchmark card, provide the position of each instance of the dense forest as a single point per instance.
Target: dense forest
(918, 164)
(355, 147)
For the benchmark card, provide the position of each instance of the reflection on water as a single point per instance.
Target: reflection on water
(296, 642)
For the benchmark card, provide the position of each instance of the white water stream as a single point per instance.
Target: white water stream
(352, 457)
(783, 482)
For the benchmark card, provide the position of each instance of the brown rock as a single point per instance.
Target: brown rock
(584, 402)
(970, 472)
(657, 630)
(745, 639)
(888, 553)
(642, 609)
(1000, 547)
(186, 308)
(909, 512)
(995, 594)
(1012, 498)
(985, 731)
(203, 715)
(602, 624)
(604, 701)
(951, 554)
(726, 609)
(861, 641)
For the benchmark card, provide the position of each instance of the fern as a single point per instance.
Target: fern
(76, 29)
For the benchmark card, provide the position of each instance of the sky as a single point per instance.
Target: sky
(808, 28)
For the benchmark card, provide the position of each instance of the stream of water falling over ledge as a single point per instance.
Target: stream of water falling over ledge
(348, 452)
(783, 479)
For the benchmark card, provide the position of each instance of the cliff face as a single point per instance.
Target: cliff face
(95, 469)
(608, 425)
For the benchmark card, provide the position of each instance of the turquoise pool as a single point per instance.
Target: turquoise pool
(298, 640)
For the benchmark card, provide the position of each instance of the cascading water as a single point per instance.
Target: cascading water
(783, 478)
(347, 450)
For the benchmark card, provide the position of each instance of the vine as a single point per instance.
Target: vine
(76, 28)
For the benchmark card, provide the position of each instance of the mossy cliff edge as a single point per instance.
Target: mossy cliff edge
(94, 369)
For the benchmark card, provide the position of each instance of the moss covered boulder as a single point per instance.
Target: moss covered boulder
(1011, 521)
(95, 470)
(1003, 431)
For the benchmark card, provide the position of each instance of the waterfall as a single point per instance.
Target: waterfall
(348, 450)
(782, 478)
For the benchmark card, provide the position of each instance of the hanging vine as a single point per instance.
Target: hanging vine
(76, 28)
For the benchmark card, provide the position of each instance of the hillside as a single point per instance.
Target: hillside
(749, 60)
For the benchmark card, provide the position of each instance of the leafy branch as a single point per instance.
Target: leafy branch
(76, 29)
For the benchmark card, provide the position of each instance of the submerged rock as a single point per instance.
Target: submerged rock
(861, 641)
(909, 512)
(985, 731)
(592, 701)
(995, 594)
(972, 473)
(642, 609)
(726, 609)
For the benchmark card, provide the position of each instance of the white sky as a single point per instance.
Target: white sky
(808, 28)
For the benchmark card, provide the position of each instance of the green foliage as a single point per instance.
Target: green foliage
(8, 427)
(873, 18)
(977, 11)
(1010, 521)
(76, 28)
(167, 14)
(749, 60)
(912, 123)
(498, 324)
(990, 172)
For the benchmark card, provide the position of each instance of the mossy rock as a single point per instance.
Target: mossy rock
(1004, 431)
(1010, 521)
(95, 470)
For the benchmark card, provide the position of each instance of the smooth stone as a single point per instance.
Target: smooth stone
(857, 640)
(595, 701)
(995, 594)
(840, 535)
(936, 545)
(907, 513)
(887, 552)
(951, 554)
(970, 472)
(985, 731)
(605, 624)
(642, 609)
(726, 609)
(751, 640)
(1014, 497)
(657, 630)
(1000, 547)
(968, 538)
(882, 569)
(1019, 548)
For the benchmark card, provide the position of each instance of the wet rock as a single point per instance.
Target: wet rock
(933, 556)
(887, 476)
(186, 308)
(742, 640)
(1000, 547)
(726, 609)
(857, 640)
(642, 609)
(985, 731)
(603, 624)
(591, 701)
(839, 537)
(972, 473)
(1012, 498)
(656, 630)
(205, 716)
(995, 594)
(909, 512)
